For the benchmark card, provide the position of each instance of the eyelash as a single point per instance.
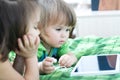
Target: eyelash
(58, 29)
(61, 29)
(35, 27)
(67, 29)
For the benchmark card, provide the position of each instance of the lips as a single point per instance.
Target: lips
(62, 42)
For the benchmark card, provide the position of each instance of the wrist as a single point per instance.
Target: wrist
(41, 71)
(31, 58)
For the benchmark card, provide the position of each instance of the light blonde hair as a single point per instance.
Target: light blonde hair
(58, 11)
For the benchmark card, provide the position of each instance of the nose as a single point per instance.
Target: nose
(62, 35)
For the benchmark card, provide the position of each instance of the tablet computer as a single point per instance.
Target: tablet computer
(97, 65)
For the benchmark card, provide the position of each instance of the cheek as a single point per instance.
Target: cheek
(50, 33)
(33, 32)
(52, 36)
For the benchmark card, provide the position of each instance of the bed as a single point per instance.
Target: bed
(89, 45)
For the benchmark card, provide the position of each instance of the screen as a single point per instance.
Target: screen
(97, 63)
(107, 62)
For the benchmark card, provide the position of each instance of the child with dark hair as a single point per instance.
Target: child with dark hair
(19, 33)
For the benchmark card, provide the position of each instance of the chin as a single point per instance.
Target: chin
(57, 46)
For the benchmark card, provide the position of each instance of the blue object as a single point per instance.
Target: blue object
(94, 5)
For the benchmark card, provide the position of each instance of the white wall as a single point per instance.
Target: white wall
(99, 23)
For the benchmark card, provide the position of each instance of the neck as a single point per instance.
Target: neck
(48, 47)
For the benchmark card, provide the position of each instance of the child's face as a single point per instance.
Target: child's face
(33, 24)
(55, 35)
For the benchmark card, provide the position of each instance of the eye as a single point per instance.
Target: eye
(67, 29)
(59, 29)
(35, 27)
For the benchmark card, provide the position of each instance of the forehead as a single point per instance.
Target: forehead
(59, 19)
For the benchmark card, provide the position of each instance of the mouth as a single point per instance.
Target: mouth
(61, 42)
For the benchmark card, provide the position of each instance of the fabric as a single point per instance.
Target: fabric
(11, 56)
(89, 45)
(42, 52)
(55, 52)
(64, 74)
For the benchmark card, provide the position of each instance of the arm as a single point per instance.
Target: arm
(9, 73)
(28, 51)
(31, 71)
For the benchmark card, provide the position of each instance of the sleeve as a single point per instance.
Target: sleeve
(40, 53)
(64, 48)
(73, 46)
(11, 56)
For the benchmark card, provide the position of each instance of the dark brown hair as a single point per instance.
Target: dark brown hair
(14, 18)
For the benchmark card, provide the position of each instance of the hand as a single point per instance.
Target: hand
(28, 47)
(67, 60)
(47, 65)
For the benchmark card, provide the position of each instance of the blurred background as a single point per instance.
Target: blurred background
(80, 5)
(96, 18)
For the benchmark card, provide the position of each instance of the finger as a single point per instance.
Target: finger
(20, 44)
(62, 63)
(26, 41)
(49, 69)
(47, 63)
(31, 40)
(49, 59)
(68, 63)
(62, 59)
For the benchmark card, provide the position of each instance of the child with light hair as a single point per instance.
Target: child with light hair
(59, 20)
